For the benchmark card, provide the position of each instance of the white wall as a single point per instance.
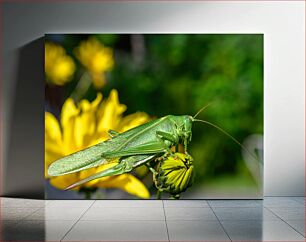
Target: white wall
(283, 25)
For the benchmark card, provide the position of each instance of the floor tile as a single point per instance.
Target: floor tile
(290, 213)
(70, 203)
(128, 203)
(244, 214)
(10, 213)
(235, 203)
(196, 231)
(55, 230)
(300, 200)
(119, 213)
(281, 202)
(4, 224)
(261, 230)
(118, 231)
(21, 203)
(298, 225)
(7, 227)
(54, 213)
(185, 203)
(189, 214)
(140, 220)
(39, 230)
(25, 231)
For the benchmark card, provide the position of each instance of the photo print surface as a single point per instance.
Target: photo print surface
(153, 116)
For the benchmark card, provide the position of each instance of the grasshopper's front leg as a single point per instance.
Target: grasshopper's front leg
(151, 169)
(186, 146)
(164, 136)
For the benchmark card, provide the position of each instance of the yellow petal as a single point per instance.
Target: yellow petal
(89, 172)
(62, 182)
(53, 149)
(84, 105)
(52, 128)
(49, 158)
(68, 110)
(63, 70)
(95, 57)
(97, 138)
(97, 101)
(102, 60)
(79, 130)
(85, 124)
(132, 120)
(53, 140)
(70, 136)
(110, 114)
(59, 67)
(127, 183)
(68, 119)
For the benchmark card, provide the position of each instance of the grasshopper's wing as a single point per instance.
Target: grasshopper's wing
(99, 155)
(80, 160)
(151, 147)
(125, 165)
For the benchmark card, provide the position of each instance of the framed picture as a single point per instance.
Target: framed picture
(150, 116)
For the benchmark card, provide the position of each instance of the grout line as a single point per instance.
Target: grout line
(166, 221)
(24, 218)
(77, 221)
(299, 201)
(283, 196)
(220, 223)
(236, 207)
(284, 221)
(18, 222)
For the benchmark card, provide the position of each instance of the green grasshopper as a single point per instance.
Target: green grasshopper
(132, 148)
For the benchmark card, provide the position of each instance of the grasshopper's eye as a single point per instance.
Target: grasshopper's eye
(188, 124)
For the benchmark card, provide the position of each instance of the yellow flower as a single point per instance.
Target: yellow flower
(59, 67)
(97, 58)
(85, 125)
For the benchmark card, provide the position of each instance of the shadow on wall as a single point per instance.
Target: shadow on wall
(24, 172)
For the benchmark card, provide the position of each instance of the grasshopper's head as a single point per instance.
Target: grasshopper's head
(186, 127)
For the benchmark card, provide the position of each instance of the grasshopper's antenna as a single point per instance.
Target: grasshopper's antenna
(228, 135)
(206, 106)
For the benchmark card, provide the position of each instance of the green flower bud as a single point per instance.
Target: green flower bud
(174, 174)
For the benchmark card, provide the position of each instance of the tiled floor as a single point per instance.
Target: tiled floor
(273, 219)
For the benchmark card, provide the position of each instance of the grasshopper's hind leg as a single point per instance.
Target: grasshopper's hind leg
(125, 165)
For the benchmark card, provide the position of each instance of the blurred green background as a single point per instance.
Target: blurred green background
(178, 74)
